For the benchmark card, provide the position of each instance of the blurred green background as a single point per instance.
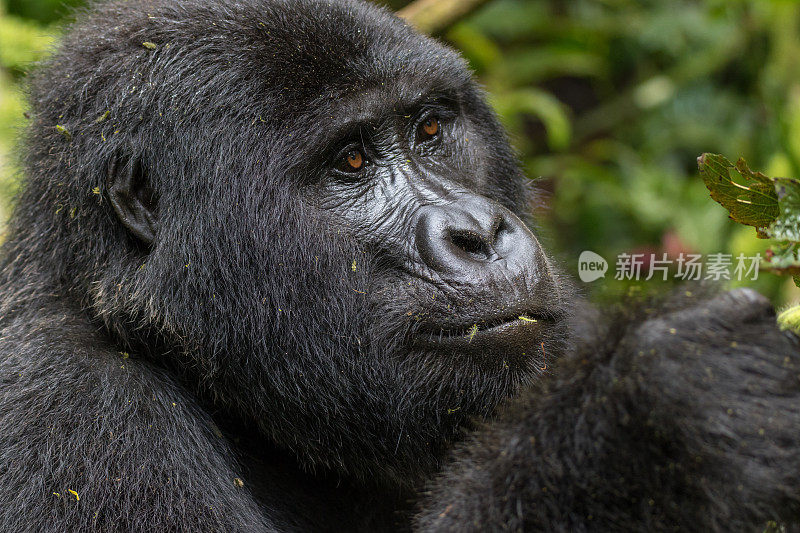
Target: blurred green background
(609, 103)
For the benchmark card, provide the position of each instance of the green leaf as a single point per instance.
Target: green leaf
(750, 197)
(787, 226)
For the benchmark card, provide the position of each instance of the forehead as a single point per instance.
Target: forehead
(346, 51)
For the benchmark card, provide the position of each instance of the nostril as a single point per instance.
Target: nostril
(472, 243)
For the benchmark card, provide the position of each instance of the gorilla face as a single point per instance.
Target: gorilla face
(411, 178)
(311, 213)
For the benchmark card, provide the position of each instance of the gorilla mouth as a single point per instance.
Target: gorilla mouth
(506, 335)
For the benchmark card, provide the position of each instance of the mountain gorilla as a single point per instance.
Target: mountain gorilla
(267, 270)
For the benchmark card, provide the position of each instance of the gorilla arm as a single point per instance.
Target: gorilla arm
(688, 420)
(95, 440)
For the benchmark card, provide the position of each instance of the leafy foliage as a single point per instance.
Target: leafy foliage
(43, 11)
(772, 205)
(639, 89)
(753, 202)
(21, 43)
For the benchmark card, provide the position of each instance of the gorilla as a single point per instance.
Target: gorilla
(269, 270)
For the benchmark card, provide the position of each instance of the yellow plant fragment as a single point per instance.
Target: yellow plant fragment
(64, 131)
(472, 331)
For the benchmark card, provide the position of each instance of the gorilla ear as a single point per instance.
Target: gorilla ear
(132, 197)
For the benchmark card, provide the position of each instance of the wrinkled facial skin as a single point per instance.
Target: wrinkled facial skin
(471, 276)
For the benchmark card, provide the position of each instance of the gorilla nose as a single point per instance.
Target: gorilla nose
(476, 238)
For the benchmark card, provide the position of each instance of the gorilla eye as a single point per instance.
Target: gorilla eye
(428, 129)
(353, 161)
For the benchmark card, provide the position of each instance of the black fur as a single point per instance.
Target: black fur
(684, 420)
(249, 369)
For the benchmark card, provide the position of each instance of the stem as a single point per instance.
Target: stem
(436, 16)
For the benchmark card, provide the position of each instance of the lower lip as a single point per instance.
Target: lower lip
(516, 337)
